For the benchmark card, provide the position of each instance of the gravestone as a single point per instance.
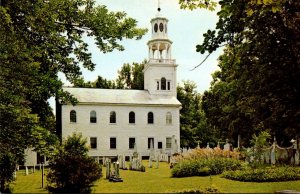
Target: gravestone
(107, 164)
(273, 159)
(227, 146)
(297, 158)
(26, 170)
(157, 160)
(15, 175)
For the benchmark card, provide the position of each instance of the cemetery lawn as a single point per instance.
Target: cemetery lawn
(157, 181)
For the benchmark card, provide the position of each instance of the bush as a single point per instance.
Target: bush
(270, 174)
(205, 167)
(7, 167)
(72, 170)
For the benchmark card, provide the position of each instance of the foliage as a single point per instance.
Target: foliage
(7, 167)
(270, 174)
(259, 143)
(258, 85)
(204, 162)
(204, 153)
(193, 4)
(193, 123)
(129, 77)
(38, 40)
(71, 169)
(45, 142)
(205, 167)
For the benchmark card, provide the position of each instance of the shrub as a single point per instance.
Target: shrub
(7, 167)
(72, 170)
(205, 167)
(270, 174)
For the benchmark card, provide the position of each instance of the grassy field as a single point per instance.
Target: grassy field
(158, 181)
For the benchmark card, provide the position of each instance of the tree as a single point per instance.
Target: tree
(129, 77)
(258, 84)
(194, 127)
(39, 39)
(71, 169)
(132, 76)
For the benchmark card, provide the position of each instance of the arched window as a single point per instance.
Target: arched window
(163, 83)
(169, 118)
(112, 117)
(150, 118)
(131, 117)
(93, 117)
(73, 116)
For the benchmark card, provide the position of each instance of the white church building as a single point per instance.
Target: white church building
(114, 121)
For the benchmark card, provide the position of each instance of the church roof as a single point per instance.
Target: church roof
(120, 97)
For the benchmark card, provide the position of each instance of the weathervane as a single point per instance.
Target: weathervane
(158, 9)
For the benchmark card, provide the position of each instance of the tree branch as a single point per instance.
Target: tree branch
(201, 62)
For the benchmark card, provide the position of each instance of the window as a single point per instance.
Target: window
(155, 27)
(157, 85)
(131, 142)
(169, 118)
(161, 27)
(150, 142)
(112, 117)
(163, 83)
(93, 142)
(93, 117)
(169, 85)
(113, 143)
(131, 117)
(168, 142)
(73, 116)
(150, 118)
(159, 145)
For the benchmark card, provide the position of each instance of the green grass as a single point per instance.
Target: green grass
(158, 180)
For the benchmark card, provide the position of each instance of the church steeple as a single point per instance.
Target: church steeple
(160, 71)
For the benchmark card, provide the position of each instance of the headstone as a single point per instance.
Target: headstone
(297, 158)
(273, 156)
(107, 164)
(117, 169)
(26, 170)
(239, 141)
(227, 146)
(150, 161)
(15, 175)
(124, 162)
(207, 147)
(157, 160)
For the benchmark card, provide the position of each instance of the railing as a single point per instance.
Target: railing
(169, 61)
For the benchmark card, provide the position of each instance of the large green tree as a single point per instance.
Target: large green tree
(258, 85)
(194, 128)
(39, 39)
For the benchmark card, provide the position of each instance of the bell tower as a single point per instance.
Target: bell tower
(160, 71)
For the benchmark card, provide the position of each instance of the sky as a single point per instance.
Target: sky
(185, 29)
